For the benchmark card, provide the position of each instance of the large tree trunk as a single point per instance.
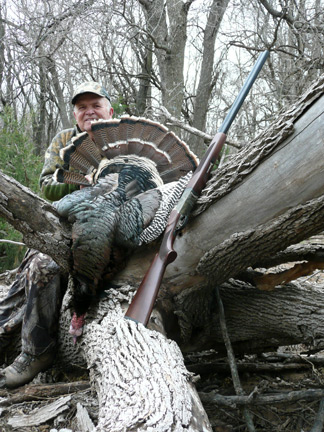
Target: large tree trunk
(36, 219)
(269, 196)
(207, 80)
(167, 25)
(138, 374)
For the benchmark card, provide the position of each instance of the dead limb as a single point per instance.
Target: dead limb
(231, 359)
(12, 242)
(41, 392)
(310, 250)
(266, 362)
(176, 122)
(293, 358)
(36, 219)
(268, 281)
(209, 367)
(265, 399)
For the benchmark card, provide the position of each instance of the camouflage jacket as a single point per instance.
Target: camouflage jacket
(51, 189)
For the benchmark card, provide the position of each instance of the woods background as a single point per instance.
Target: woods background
(178, 62)
(183, 59)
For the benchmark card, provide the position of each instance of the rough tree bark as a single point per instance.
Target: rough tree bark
(268, 196)
(36, 219)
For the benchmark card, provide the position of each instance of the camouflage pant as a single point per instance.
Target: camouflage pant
(33, 303)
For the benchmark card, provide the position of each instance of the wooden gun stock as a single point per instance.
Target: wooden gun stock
(142, 304)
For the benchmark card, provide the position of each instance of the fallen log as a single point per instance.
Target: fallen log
(273, 176)
(139, 375)
(258, 321)
(265, 399)
(36, 219)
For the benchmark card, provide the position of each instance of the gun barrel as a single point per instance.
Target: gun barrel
(243, 92)
(143, 302)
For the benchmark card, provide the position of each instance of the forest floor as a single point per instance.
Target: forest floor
(55, 400)
(292, 375)
(273, 375)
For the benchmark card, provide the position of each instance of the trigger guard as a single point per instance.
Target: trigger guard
(182, 222)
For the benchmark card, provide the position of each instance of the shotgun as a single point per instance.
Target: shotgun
(142, 304)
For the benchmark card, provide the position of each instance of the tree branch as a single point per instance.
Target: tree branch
(319, 420)
(36, 391)
(267, 399)
(176, 122)
(12, 242)
(277, 14)
(231, 359)
(36, 219)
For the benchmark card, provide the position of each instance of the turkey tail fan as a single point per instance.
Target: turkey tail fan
(83, 154)
(149, 130)
(183, 160)
(71, 177)
(126, 128)
(86, 147)
(139, 148)
(105, 131)
(146, 138)
(126, 136)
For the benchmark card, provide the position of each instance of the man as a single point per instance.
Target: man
(91, 102)
(34, 299)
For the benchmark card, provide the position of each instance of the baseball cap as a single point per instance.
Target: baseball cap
(90, 87)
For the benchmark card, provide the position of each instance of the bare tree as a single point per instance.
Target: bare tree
(208, 77)
(148, 45)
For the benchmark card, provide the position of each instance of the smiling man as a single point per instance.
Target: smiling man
(91, 105)
(91, 102)
(34, 299)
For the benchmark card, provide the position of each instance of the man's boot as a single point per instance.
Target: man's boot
(25, 368)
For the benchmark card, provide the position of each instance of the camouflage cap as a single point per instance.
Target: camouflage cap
(90, 87)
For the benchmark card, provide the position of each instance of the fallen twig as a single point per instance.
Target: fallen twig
(294, 358)
(12, 242)
(41, 392)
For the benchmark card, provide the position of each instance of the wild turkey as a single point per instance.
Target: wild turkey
(137, 169)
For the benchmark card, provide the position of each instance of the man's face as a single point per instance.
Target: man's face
(89, 107)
